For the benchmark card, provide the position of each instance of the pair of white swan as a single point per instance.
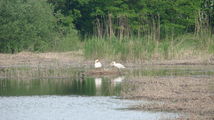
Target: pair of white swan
(98, 64)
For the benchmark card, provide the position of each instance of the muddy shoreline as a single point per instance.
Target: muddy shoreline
(189, 95)
(76, 59)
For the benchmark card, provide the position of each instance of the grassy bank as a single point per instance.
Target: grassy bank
(147, 48)
(183, 49)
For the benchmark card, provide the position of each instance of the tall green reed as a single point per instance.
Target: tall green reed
(146, 48)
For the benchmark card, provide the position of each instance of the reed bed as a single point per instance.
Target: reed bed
(38, 72)
(146, 48)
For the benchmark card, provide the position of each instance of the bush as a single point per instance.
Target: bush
(30, 25)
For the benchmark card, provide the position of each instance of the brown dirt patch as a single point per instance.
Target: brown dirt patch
(189, 95)
(76, 59)
(33, 59)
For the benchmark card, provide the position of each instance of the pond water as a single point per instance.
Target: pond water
(80, 97)
(91, 98)
(88, 86)
(71, 108)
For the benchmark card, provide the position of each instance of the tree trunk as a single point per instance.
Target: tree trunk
(111, 32)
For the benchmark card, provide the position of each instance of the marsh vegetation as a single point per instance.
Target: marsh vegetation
(123, 30)
(175, 91)
(48, 47)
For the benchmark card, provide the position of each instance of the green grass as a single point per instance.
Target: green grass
(69, 43)
(146, 48)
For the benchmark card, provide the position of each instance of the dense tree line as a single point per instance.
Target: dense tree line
(135, 17)
(39, 25)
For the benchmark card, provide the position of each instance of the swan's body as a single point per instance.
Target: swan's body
(97, 64)
(117, 65)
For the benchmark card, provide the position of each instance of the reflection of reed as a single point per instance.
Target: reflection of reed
(35, 87)
(77, 83)
(80, 76)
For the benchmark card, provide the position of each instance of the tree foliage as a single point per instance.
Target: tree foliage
(31, 25)
(25, 24)
(131, 16)
(40, 25)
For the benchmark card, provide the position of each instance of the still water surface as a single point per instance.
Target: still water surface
(73, 86)
(71, 108)
(80, 98)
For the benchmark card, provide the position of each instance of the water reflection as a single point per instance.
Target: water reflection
(79, 107)
(98, 82)
(118, 80)
(81, 85)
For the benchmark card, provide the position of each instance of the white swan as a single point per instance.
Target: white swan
(117, 65)
(97, 64)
